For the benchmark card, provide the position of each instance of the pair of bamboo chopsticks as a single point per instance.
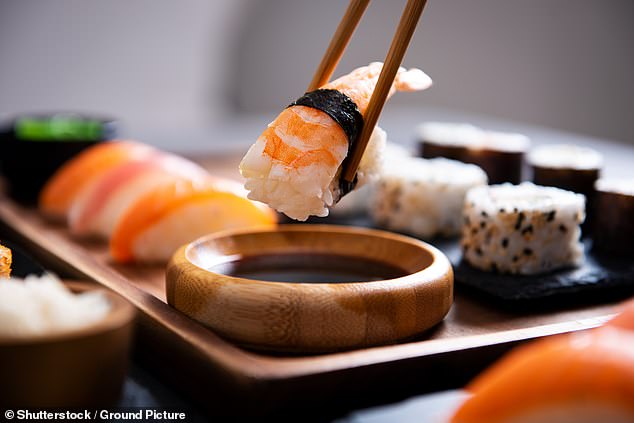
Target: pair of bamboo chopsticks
(400, 42)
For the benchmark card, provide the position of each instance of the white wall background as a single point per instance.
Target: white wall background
(567, 64)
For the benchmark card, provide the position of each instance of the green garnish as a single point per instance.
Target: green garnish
(62, 128)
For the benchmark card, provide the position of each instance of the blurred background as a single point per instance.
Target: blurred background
(201, 74)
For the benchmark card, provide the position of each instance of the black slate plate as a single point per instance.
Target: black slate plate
(600, 277)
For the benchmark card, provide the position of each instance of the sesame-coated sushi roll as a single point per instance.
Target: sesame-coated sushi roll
(524, 228)
(614, 216)
(424, 197)
(499, 154)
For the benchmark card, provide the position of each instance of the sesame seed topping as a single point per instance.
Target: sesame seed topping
(520, 218)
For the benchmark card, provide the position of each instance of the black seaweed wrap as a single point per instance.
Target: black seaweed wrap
(339, 107)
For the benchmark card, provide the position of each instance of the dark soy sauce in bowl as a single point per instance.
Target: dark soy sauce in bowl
(308, 268)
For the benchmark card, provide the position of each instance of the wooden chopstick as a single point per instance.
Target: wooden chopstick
(338, 43)
(400, 42)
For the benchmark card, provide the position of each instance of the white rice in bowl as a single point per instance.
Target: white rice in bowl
(43, 305)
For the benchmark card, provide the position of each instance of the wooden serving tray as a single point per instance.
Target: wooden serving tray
(222, 375)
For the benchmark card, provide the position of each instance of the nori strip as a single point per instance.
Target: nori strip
(342, 110)
(339, 107)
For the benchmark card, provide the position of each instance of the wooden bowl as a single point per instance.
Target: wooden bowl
(311, 317)
(76, 368)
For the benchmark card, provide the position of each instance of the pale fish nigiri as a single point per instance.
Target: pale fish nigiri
(61, 190)
(294, 166)
(99, 207)
(164, 219)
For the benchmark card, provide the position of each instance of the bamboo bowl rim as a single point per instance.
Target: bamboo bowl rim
(261, 314)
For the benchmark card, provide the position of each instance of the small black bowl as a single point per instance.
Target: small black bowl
(35, 146)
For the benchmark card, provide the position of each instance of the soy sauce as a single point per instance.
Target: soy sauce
(309, 268)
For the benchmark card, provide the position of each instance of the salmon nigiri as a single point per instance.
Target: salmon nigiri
(162, 220)
(580, 377)
(98, 208)
(61, 190)
(294, 166)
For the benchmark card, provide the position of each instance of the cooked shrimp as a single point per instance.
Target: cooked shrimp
(294, 162)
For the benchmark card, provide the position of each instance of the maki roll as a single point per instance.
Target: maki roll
(424, 197)
(294, 166)
(613, 223)
(525, 229)
(568, 167)
(499, 154)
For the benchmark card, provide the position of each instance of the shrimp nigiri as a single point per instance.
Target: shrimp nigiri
(294, 166)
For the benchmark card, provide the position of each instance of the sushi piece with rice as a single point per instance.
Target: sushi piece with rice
(569, 167)
(566, 166)
(98, 207)
(525, 229)
(424, 197)
(294, 166)
(583, 377)
(499, 154)
(157, 223)
(66, 184)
